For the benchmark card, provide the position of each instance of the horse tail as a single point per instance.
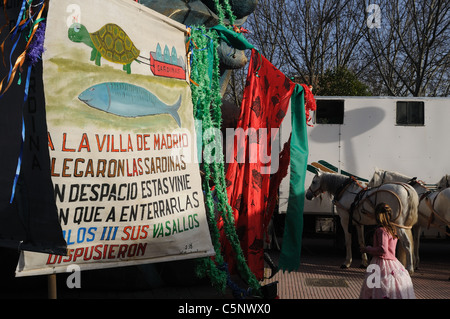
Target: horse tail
(402, 251)
(411, 216)
(411, 210)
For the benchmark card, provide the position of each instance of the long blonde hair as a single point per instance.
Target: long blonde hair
(383, 213)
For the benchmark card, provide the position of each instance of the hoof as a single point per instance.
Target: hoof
(344, 267)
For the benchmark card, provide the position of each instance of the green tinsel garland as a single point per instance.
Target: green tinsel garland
(228, 10)
(207, 101)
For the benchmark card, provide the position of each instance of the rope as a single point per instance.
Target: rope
(433, 214)
(361, 201)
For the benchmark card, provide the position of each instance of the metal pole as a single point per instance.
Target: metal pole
(51, 279)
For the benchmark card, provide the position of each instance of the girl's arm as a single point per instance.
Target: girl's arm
(379, 245)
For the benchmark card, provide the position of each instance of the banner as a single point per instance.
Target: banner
(121, 138)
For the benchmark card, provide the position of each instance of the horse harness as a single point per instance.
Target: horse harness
(434, 213)
(361, 197)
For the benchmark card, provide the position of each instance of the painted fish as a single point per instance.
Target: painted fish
(127, 100)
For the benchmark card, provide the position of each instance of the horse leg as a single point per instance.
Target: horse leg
(416, 235)
(405, 237)
(362, 244)
(348, 240)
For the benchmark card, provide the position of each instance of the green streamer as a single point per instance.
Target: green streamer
(292, 237)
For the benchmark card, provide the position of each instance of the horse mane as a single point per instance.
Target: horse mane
(398, 177)
(331, 182)
(444, 182)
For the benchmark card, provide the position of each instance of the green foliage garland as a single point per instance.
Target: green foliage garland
(207, 101)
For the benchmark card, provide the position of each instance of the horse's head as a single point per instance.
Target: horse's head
(315, 188)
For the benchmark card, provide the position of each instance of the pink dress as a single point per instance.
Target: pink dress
(386, 277)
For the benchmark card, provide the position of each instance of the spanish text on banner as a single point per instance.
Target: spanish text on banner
(121, 138)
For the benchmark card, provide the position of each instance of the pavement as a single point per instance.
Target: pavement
(318, 277)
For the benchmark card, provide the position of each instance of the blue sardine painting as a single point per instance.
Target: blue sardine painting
(128, 100)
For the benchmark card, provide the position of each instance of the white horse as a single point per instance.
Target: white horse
(433, 209)
(356, 204)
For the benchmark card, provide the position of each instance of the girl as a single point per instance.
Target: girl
(386, 277)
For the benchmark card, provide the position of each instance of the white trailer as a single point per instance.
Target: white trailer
(356, 135)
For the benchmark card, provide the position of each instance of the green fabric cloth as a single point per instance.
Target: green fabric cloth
(293, 231)
(233, 39)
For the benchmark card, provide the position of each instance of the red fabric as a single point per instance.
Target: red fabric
(310, 102)
(265, 103)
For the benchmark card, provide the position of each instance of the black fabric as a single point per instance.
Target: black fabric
(30, 222)
(32, 217)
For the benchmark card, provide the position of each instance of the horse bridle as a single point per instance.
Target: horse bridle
(317, 192)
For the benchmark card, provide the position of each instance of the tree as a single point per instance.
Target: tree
(410, 48)
(405, 55)
(305, 38)
(265, 24)
(341, 82)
